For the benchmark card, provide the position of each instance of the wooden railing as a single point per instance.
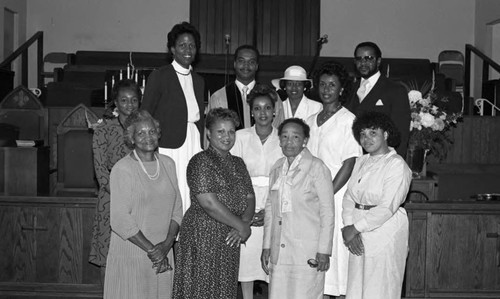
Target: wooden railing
(23, 52)
(487, 63)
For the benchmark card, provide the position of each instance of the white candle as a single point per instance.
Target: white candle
(121, 75)
(105, 91)
(136, 76)
(144, 80)
(128, 71)
(112, 81)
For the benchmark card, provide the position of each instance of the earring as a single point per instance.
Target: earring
(274, 113)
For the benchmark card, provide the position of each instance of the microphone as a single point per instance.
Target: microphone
(323, 39)
(227, 39)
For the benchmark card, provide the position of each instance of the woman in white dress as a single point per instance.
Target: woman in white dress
(294, 83)
(259, 147)
(376, 230)
(333, 142)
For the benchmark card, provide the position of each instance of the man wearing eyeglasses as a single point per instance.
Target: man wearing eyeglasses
(374, 92)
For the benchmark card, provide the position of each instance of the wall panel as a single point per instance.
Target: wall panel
(275, 27)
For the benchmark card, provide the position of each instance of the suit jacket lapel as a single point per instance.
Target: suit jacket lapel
(374, 95)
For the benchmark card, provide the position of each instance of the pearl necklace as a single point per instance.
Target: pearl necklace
(153, 177)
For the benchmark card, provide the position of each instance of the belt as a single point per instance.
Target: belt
(363, 207)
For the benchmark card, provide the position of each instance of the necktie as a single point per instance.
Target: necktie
(362, 90)
(246, 108)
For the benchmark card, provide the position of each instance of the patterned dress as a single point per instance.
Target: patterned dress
(108, 147)
(206, 266)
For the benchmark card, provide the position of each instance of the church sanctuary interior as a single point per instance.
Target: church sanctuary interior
(59, 60)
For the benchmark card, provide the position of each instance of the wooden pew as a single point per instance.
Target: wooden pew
(75, 168)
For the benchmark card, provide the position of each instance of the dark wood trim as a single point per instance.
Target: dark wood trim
(50, 289)
(48, 201)
(454, 207)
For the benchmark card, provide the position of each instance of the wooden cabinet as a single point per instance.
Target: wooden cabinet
(45, 243)
(454, 250)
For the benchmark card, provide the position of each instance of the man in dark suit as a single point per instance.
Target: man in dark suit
(374, 92)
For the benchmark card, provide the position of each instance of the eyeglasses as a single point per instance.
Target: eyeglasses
(364, 58)
(295, 84)
(312, 263)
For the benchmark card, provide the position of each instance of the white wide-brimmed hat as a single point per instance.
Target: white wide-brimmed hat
(292, 73)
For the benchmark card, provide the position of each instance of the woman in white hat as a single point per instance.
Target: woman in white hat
(294, 83)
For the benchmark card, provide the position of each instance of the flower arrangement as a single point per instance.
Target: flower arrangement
(430, 124)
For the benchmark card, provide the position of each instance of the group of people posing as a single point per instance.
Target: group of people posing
(300, 194)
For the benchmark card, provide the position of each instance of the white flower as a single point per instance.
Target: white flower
(414, 96)
(434, 109)
(115, 112)
(425, 102)
(427, 119)
(438, 125)
(415, 125)
(94, 125)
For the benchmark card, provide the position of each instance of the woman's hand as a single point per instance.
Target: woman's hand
(159, 251)
(356, 246)
(264, 260)
(323, 261)
(348, 233)
(233, 238)
(245, 232)
(258, 218)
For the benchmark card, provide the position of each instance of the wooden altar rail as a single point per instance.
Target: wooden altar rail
(454, 250)
(45, 247)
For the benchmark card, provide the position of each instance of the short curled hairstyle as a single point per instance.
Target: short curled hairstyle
(333, 68)
(376, 120)
(262, 90)
(372, 45)
(180, 29)
(218, 114)
(298, 121)
(131, 123)
(246, 47)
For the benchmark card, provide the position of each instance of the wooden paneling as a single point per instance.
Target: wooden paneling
(454, 250)
(216, 18)
(471, 264)
(287, 27)
(415, 267)
(275, 27)
(476, 141)
(25, 170)
(45, 247)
